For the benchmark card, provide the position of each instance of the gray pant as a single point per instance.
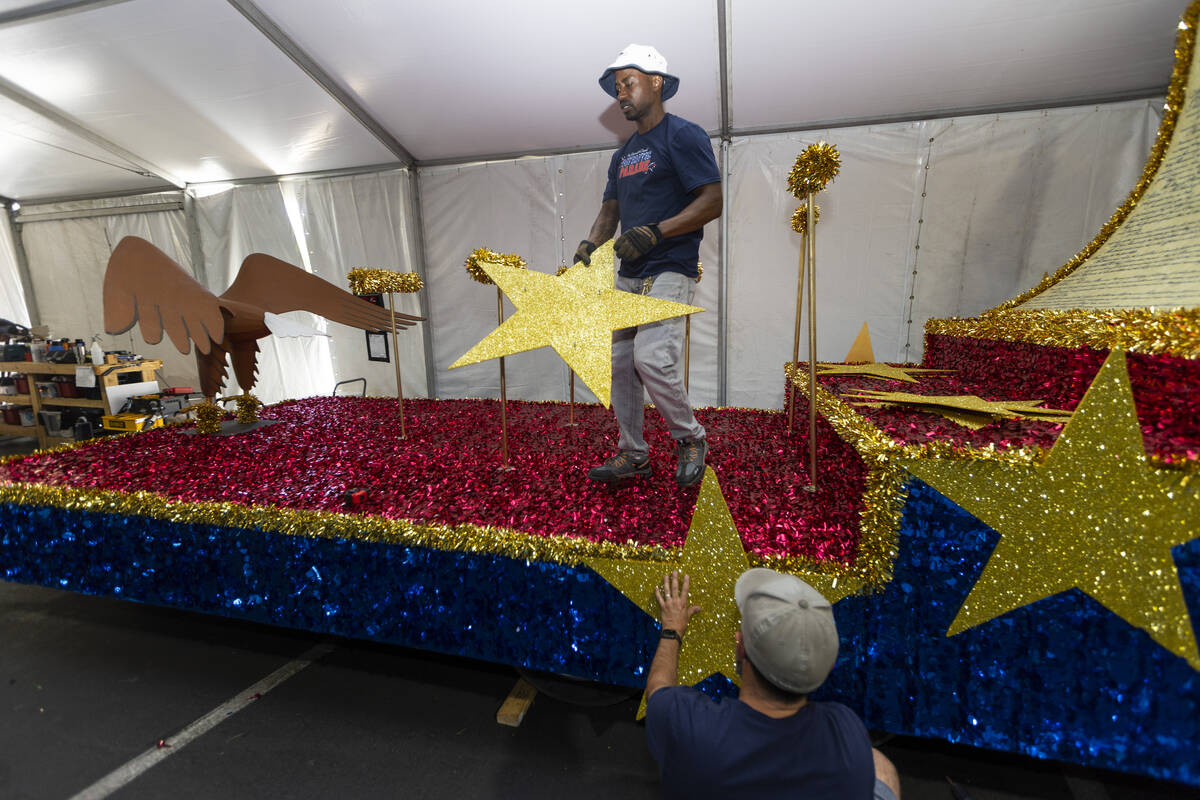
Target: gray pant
(650, 357)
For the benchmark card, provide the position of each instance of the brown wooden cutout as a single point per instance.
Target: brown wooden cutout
(143, 285)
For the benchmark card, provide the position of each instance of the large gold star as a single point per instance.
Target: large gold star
(1094, 516)
(713, 557)
(874, 370)
(575, 313)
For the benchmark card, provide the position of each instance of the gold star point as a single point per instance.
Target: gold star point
(882, 371)
(1095, 516)
(713, 557)
(574, 313)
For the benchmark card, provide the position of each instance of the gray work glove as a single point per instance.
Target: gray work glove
(636, 242)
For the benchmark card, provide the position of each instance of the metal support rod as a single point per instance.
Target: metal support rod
(800, 267)
(723, 288)
(571, 411)
(396, 363)
(503, 389)
(687, 349)
(191, 216)
(812, 348)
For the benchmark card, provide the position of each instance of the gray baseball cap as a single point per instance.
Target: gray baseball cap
(787, 629)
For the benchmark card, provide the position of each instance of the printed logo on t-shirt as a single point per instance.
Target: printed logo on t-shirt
(634, 163)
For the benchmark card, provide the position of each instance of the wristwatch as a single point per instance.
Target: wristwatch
(671, 633)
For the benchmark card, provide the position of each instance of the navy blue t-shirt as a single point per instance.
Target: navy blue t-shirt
(652, 178)
(729, 750)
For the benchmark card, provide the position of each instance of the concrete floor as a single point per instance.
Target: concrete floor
(88, 685)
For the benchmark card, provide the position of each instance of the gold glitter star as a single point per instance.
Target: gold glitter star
(575, 313)
(967, 410)
(1094, 516)
(713, 557)
(875, 370)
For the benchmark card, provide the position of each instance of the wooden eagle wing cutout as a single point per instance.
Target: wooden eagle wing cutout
(143, 285)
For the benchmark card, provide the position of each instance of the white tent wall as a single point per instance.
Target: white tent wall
(234, 223)
(1005, 198)
(12, 296)
(67, 259)
(539, 209)
(1008, 197)
(365, 221)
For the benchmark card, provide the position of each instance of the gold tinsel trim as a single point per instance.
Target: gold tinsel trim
(800, 218)
(491, 257)
(366, 280)
(464, 538)
(1146, 331)
(884, 496)
(561, 269)
(814, 168)
(1185, 42)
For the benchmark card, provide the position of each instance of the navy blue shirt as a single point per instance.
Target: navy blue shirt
(652, 178)
(729, 750)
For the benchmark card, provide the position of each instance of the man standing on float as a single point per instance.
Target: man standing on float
(663, 186)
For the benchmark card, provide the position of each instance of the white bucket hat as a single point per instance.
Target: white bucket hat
(641, 57)
(787, 629)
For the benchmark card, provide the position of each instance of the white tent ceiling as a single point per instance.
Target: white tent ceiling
(110, 97)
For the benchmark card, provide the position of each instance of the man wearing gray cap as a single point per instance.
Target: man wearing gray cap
(663, 186)
(772, 741)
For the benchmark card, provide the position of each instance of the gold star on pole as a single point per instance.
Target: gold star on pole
(713, 557)
(575, 313)
(1094, 516)
(876, 370)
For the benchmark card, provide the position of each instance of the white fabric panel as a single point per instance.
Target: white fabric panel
(1008, 197)
(807, 64)
(12, 295)
(363, 221)
(508, 207)
(252, 219)
(862, 248)
(539, 209)
(464, 78)
(1014, 196)
(67, 261)
(189, 85)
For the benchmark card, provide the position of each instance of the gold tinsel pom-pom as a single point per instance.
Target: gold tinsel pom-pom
(800, 218)
(247, 409)
(483, 255)
(561, 269)
(208, 417)
(699, 271)
(366, 280)
(815, 167)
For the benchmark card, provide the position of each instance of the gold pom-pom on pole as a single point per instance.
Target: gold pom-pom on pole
(562, 268)
(365, 280)
(813, 170)
(477, 274)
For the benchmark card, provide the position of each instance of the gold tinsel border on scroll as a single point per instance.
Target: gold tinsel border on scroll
(1146, 331)
(1184, 47)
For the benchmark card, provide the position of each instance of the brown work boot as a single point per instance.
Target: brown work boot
(624, 464)
(690, 469)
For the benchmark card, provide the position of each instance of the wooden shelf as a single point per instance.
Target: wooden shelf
(74, 402)
(19, 430)
(107, 376)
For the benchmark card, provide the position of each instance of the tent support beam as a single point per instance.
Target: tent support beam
(418, 246)
(51, 8)
(723, 33)
(36, 105)
(31, 304)
(305, 62)
(195, 245)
